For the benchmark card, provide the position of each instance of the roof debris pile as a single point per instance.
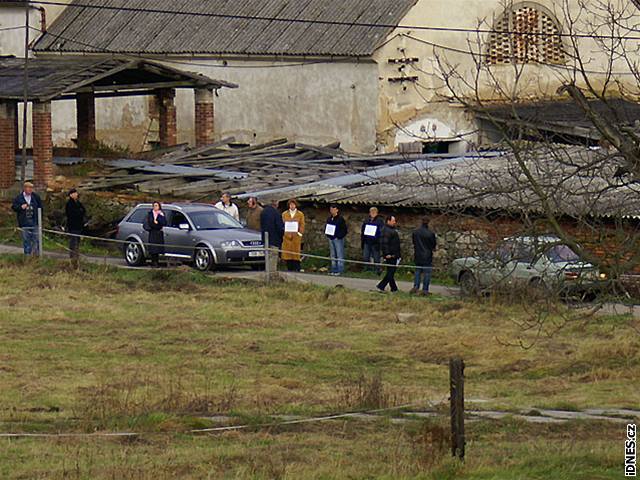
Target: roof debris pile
(223, 166)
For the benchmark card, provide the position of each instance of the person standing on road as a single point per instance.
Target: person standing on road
(271, 223)
(391, 254)
(26, 206)
(154, 224)
(424, 244)
(336, 231)
(370, 235)
(253, 214)
(293, 232)
(227, 206)
(76, 217)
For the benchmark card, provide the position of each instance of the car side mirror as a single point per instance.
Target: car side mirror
(185, 227)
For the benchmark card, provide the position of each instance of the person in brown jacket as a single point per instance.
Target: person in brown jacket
(253, 214)
(293, 231)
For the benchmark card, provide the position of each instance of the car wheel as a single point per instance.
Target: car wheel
(539, 288)
(468, 284)
(134, 254)
(203, 259)
(258, 267)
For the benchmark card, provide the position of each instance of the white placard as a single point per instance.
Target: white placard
(291, 227)
(370, 230)
(330, 230)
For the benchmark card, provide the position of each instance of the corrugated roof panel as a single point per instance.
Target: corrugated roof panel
(86, 29)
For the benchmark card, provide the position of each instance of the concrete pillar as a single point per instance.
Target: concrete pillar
(42, 144)
(204, 117)
(86, 120)
(167, 109)
(8, 117)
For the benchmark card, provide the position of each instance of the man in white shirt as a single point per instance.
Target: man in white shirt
(226, 206)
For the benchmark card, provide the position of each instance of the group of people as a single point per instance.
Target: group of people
(380, 241)
(379, 238)
(26, 206)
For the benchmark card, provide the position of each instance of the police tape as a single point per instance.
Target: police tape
(396, 262)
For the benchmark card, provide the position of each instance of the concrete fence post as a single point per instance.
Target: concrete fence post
(40, 241)
(267, 258)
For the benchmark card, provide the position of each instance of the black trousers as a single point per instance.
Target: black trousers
(293, 265)
(74, 244)
(390, 275)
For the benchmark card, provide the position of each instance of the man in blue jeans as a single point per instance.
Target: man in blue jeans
(424, 244)
(336, 231)
(370, 239)
(26, 206)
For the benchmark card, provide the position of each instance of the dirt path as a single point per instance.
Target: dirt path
(360, 284)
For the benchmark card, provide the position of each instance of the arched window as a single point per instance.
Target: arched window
(526, 33)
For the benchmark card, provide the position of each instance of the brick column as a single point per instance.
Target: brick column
(167, 109)
(42, 144)
(204, 117)
(86, 120)
(8, 117)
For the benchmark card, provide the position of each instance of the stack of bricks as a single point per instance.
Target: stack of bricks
(204, 120)
(8, 115)
(42, 144)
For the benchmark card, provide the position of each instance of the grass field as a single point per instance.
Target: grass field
(160, 352)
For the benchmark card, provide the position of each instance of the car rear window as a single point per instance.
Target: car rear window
(138, 216)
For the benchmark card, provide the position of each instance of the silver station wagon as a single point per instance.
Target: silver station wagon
(541, 264)
(199, 234)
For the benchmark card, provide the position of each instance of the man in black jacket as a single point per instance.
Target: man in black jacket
(370, 235)
(26, 206)
(271, 223)
(336, 231)
(76, 216)
(391, 254)
(424, 244)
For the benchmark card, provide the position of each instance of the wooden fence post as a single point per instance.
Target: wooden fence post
(456, 378)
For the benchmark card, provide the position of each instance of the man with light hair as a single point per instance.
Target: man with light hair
(26, 206)
(226, 205)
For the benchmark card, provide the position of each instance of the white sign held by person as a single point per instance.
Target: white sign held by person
(370, 230)
(291, 227)
(330, 230)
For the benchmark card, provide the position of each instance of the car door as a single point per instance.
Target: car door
(499, 266)
(177, 238)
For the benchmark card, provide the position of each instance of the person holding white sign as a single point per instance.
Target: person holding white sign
(370, 236)
(293, 233)
(336, 231)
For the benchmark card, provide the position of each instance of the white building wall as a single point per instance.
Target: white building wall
(315, 103)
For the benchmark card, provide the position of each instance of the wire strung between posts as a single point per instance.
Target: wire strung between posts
(322, 418)
(270, 249)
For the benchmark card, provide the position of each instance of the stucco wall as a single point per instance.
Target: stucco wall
(423, 101)
(12, 41)
(315, 103)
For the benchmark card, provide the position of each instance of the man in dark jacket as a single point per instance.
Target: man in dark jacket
(424, 244)
(76, 216)
(391, 254)
(271, 223)
(336, 231)
(26, 206)
(370, 235)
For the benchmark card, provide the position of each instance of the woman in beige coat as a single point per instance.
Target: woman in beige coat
(293, 231)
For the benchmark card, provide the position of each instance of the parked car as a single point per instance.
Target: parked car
(541, 264)
(195, 233)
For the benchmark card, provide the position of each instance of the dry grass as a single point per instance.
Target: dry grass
(154, 352)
